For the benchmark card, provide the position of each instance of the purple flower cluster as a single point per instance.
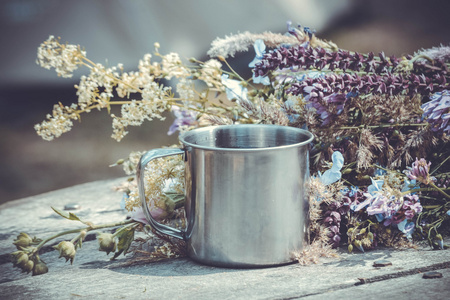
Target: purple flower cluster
(328, 94)
(437, 112)
(335, 89)
(298, 57)
(333, 217)
(411, 206)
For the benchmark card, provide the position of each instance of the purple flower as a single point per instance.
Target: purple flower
(420, 171)
(437, 111)
(182, 118)
(411, 205)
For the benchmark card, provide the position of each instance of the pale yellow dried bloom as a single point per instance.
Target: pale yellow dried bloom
(59, 122)
(311, 254)
(173, 67)
(136, 112)
(186, 89)
(368, 143)
(211, 72)
(64, 58)
(241, 42)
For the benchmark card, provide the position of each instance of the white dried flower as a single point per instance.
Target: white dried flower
(59, 122)
(64, 58)
(211, 72)
(173, 67)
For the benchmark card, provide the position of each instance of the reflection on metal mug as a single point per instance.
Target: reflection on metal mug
(245, 193)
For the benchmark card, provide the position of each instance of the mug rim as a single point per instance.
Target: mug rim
(182, 138)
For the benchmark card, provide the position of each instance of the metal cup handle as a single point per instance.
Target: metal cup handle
(145, 159)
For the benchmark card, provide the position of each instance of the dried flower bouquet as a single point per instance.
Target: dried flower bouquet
(380, 159)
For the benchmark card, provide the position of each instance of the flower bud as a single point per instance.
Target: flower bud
(83, 234)
(370, 236)
(23, 240)
(28, 267)
(362, 231)
(358, 245)
(106, 242)
(440, 242)
(350, 248)
(39, 268)
(66, 250)
(19, 259)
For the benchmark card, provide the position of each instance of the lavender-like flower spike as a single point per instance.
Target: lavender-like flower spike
(299, 57)
(420, 171)
(329, 94)
(437, 112)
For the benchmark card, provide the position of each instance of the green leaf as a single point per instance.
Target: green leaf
(125, 238)
(69, 216)
(177, 198)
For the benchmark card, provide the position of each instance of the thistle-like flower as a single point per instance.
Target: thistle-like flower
(67, 250)
(420, 171)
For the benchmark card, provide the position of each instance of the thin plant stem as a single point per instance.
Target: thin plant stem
(88, 228)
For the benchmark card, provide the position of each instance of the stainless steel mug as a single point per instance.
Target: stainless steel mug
(245, 193)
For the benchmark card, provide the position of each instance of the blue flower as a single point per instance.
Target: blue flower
(334, 173)
(448, 212)
(260, 49)
(234, 89)
(375, 186)
(353, 191)
(406, 227)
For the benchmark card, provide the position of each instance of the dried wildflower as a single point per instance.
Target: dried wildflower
(312, 253)
(441, 52)
(59, 122)
(211, 72)
(420, 171)
(183, 120)
(23, 240)
(172, 66)
(303, 57)
(39, 267)
(67, 250)
(230, 45)
(437, 112)
(161, 176)
(64, 58)
(107, 242)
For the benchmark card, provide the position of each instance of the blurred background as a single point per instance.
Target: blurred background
(122, 31)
